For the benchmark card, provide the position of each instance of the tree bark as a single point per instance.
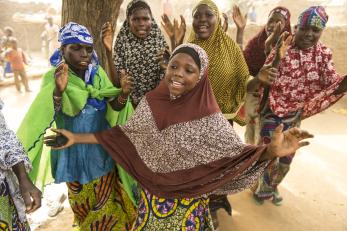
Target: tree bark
(92, 14)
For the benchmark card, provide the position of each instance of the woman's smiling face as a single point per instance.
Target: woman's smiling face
(182, 74)
(204, 22)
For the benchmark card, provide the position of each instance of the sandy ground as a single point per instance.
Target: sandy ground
(315, 190)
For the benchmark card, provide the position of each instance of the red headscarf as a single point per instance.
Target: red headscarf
(254, 51)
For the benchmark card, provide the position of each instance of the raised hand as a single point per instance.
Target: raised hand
(286, 143)
(282, 44)
(272, 38)
(239, 19)
(61, 77)
(31, 195)
(168, 26)
(126, 82)
(179, 30)
(225, 22)
(107, 33)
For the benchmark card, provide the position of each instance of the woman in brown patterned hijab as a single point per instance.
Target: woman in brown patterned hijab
(180, 148)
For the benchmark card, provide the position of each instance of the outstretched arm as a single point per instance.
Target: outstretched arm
(286, 143)
(69, 139)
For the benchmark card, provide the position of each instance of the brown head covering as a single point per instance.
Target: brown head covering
(185, 147)
(198, 103)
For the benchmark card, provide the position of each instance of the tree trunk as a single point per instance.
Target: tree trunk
(92, 14)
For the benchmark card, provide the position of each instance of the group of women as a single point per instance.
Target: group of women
(158, 167)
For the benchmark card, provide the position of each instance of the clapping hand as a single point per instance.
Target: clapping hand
(168, 26)
(175, 31)
(239, 19)
(107, 33)
(282, 44)
(179, 30)
(61, 77)
(126, 82)
(272, 38)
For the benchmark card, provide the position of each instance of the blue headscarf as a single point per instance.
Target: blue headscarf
(73, 33)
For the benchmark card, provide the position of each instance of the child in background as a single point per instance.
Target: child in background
(17, 59)
(8, 33)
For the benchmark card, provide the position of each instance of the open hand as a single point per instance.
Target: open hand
(61, 77)
(107, 33)
(31, 195)
(168, 26)
(52, 140)
(286, 143)
(239, 19)
(282, 44)
(126, 82)
(179, 30)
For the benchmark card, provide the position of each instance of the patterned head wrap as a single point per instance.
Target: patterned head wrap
(137, 56)
(194, 50)
(313, 16)
(228, 71)
(282, 11)
(73, 33)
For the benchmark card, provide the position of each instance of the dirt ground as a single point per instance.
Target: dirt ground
(315, 190)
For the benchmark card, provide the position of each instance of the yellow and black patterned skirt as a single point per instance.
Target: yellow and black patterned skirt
(101, 205)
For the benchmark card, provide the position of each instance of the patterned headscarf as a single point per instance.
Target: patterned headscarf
(228, 72)
(201, 60)
(138, 56)
(313, 16)
(281, 10)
